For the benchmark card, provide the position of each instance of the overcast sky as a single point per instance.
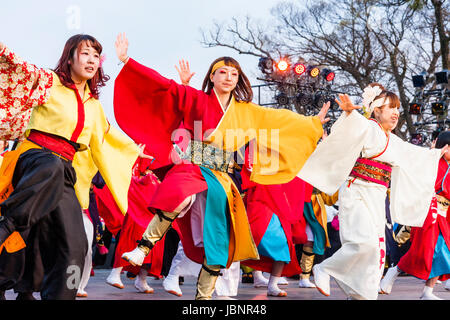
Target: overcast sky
(160, 32)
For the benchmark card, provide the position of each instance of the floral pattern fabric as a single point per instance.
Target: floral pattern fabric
(22, 87)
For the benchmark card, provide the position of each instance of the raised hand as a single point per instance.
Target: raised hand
(184, 72)
(323, 113)
(121, 45)
(346, 104)
(2, 46)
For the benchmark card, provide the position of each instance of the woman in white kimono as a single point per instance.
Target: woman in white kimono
(362, 158)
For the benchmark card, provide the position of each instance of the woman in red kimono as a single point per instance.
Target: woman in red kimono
(429, 256)
(212, 219)
(271, 210)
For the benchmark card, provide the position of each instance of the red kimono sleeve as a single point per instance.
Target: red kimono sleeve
(149, 108)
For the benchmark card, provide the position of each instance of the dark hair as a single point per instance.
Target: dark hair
(443, 139)
(63, 67)
(243, 90)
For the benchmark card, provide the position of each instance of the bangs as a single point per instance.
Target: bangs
(90, 42)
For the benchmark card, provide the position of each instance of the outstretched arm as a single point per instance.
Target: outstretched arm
(22, 87)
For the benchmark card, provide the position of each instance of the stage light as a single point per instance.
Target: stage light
(438, 108)
(415, 108)
(418, 81)
(441, 77)
(304, 99)
(418, 138)
(299, 69)
(282, 99)
(313, 71)
(282, 65)
(328, 74)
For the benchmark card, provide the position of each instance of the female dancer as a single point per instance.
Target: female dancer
(68, 139)
(428, 258)
(363, 157)
(200, 192)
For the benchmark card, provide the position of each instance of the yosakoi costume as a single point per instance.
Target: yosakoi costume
(360, 160)
(149, 108)
(271, 211)
(45, 182)
(429, 254)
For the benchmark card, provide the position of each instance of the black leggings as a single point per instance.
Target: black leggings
(45, 202)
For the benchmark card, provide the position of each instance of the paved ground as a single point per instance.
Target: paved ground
(405, 288)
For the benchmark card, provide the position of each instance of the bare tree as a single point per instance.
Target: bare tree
(364, 41)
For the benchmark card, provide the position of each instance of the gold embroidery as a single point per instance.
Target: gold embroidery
(372, 171)
(205, 155)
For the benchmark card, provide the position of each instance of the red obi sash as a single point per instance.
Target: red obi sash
(59, 146)
(372, 171)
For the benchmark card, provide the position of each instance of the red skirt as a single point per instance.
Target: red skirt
(286, 201)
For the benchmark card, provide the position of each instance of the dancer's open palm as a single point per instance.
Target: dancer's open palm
(184, 71)
(346, 104)
(121, 45)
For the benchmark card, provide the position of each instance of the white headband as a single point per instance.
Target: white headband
(379, 102)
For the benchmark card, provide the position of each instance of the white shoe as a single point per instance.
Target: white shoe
(114, 280)
(142, 286)
(283, 282)
(429, 296)
(305, 283)
(171, 285)
(135, 257)
(388, 281)
(259, 281)
(447, 285)
(276, 292)
(322, 280)
(81, 294)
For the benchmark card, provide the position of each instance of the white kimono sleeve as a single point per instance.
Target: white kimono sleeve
(413, 177)
(332, 161)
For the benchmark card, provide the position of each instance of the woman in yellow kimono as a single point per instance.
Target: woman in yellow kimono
(196, 189)
(45, 182)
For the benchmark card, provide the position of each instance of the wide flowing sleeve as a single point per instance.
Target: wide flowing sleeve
(413, 178)
(149, 108)
(114, 155)
(332, 161)
(22, 87)
(280, 141)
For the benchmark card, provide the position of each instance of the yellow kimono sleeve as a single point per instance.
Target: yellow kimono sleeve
(280, 140)
(114, 154)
